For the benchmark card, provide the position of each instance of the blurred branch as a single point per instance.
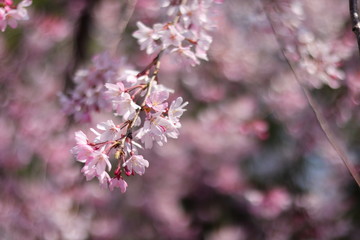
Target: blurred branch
(330, 136)
(128, 12)
(81, 38)
(354, 14)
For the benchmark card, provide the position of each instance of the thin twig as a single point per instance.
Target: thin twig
(354, 14)
(156, 63)
(330, 136)
(153, 78)
(130, 7)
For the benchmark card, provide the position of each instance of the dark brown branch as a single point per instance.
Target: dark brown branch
(330, 136)
(354, 14)
(81, 39)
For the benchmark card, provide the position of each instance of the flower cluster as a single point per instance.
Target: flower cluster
(88, 94)
(159, 121)
(319, 58)
(136, 98)
(10, 14)
(185, 36)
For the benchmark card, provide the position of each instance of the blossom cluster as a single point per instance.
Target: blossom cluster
(159, 121)
(136, 97)
(186, 36)
(10, 13)
(88, 95)
(319, 58)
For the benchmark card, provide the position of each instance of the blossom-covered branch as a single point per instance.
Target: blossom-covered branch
(330, 136)
(136, 97)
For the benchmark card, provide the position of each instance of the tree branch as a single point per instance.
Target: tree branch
(354, 14)
(81, 39)
(324, 126)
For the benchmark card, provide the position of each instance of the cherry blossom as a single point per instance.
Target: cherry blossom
(186, 55)
(248, 147)
(171, 36)
(110, 132)
(100, 161)
(176, 109)
(147, 37)
(118, 183)
(125, 106)
(136, 163)
(186, 35)
(89, 94)
(82, 150)
(157, 100)
(137, 98)
(11, 14)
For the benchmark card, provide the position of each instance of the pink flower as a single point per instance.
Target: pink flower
(100, 161)
(186, 55)
(10, 16)
(161, 126)
(147, 37)
(104, 179)
(118, 183)
(129, 78)
(114, 90)
(82, 150)
(176, 109)
(156, 100)
(21, 11)
(89, 172)
(136, 163)
(111, 132)
(171, 36)
(203, 45)
(157, 129)
(173, 6)
(125, 106)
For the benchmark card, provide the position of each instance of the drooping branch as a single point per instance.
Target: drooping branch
(354, 14)
(324, 126)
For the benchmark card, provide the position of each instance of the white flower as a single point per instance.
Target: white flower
(12, 16)
(89, 172)
(125, 106)
(171, 36)
(136, 163)
(161, 126)
(147, 37)
(100, 161)
(82, 150)
(203, 45)
(157, 129)
(129, 78)
(173, 6)
(104, 179)
(111, 132)
(176, 109)
(190, 14)
(145, 135)
(114, 90)
(186, 55)
(156, 100)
